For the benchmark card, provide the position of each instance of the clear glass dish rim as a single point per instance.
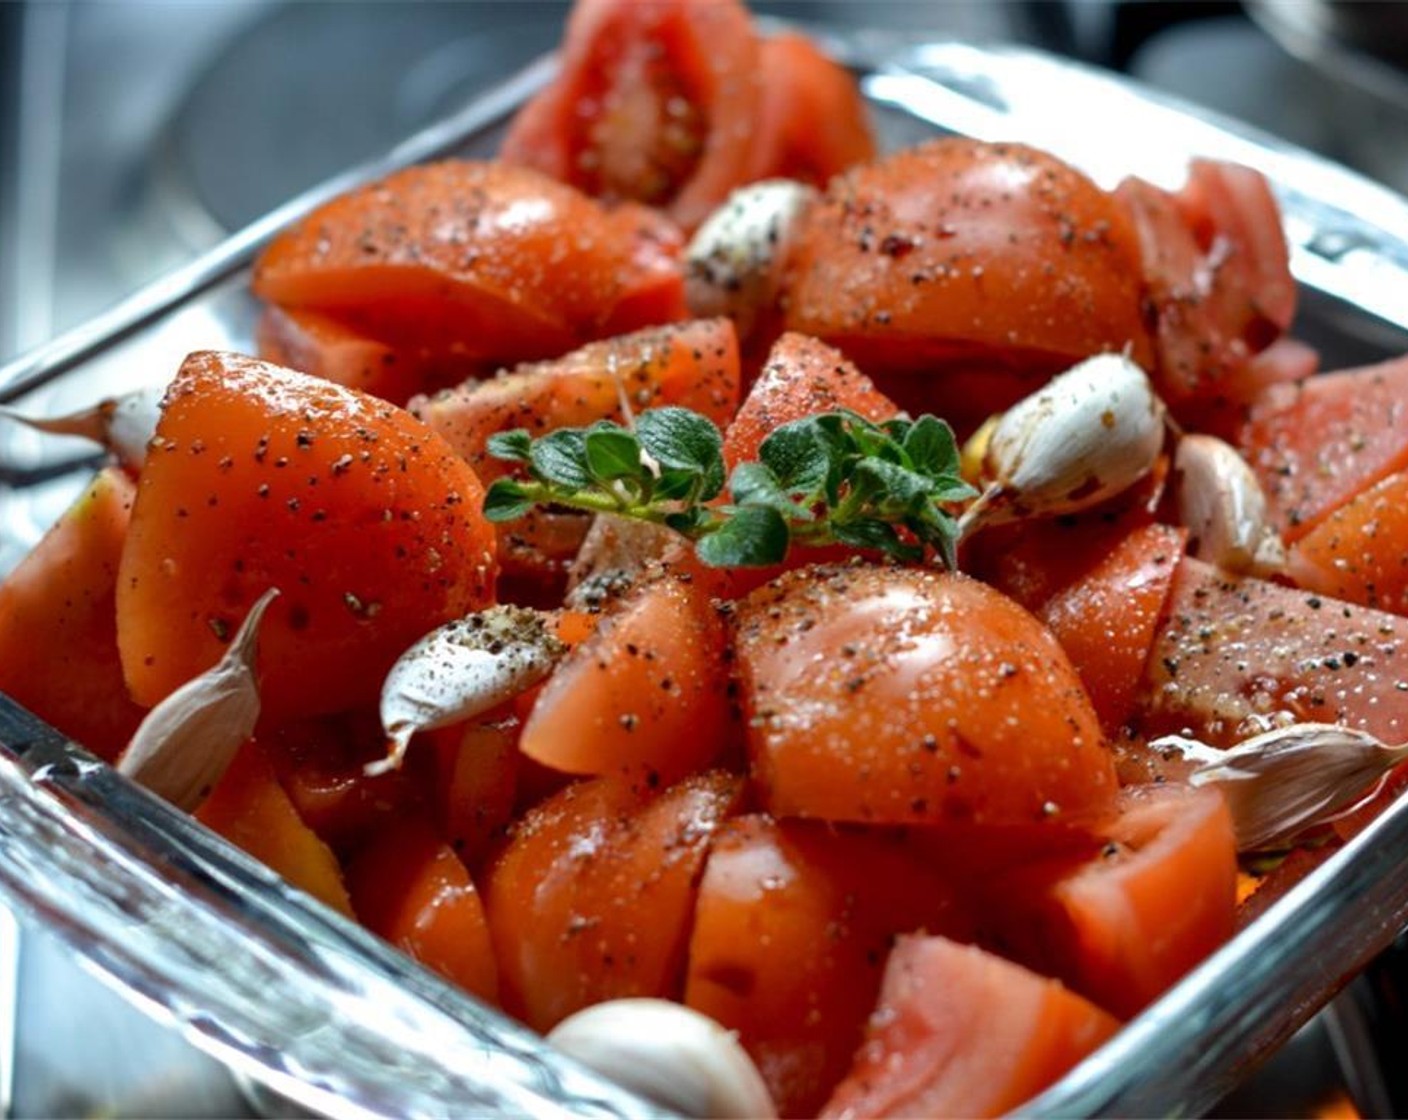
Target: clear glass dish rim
(60, 807)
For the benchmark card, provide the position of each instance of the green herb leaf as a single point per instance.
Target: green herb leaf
(753, 484)
(753, 537)
(684, 440)
(560, 457)
(799, 456)
(512, 446)
(612, 453)
(507, 500)
(879, 536)
(931, 447)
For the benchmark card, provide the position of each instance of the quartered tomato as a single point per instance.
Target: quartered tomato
(906, 696)
(480, 262)
(655, 103)
(957, 272)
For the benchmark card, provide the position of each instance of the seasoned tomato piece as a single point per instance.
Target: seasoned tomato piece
(646, 695)
(1358, 552)
(655, 102)
(906, 696)
(58, 629)
(477, 261)
(593, 896)
(1122, 926)
(994, 262)
(960, 1032)
(368, 524)
(1316, 444)
(792, 928)
(409, 887)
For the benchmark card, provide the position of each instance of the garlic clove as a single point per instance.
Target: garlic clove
(1087, 435)
(186, 742)
(463, 669)
(735, 262)
(1282, 782)
(1221, 502)
(123, 425)
(669, 1054)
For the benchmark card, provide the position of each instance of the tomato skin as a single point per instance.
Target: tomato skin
(1124, 926)
(249, 808)
(1231, 653)
(476, 261)
(370, 526)
(800, 88)
(593, 895)
(645, 695)
(905, 696)
(802, 377)
(655, 103)
(409, 887)
(958, 254)
(791, 930)
(1316, 444)
(58, 631)
(961, 1032)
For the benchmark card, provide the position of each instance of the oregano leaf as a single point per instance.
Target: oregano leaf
(511, 446)
(560, 457)
(506, 500)
(612, 453)
(753, 537)
(678, 438)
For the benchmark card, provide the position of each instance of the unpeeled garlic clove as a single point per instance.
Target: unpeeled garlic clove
(186, 742)
(123, 425)
(669, 1054)
(735, 262)
(1282, 782)
(1222, 504)
(1087, 435)
(463, 669)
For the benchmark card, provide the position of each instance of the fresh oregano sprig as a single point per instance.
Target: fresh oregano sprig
(831, 478)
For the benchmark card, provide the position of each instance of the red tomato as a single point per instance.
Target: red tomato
(321, 346)
(791, 931)
(906, 696)
(475, 783)
(1123, 926)
(249, 808)
(1218, 277)
(1357, 553)
(593, 896)
(801, 87)
(646, 695)
(1232, 653)
(802, 377)
(1316, 444)
(370, 526)
(58, 630)
(475, 261)
(655, 103)
(963, 256)
(409, 887)
(960, 1032)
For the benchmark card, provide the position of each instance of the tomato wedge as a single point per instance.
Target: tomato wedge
(476, 261)
(1357, 552)
(646, 695)
(963, 257)
(791, 931)
(905, 696)
(368, 524)
(409, 887)
(322, 346)
(593, 895)
(58, 629)
(960, 1032)
(655, 102)
(1122, 927)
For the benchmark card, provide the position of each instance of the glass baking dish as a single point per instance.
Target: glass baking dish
(306, 1003)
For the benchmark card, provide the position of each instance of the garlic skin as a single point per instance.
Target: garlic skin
(735, 262)
(123, 425)
(186, 742)
(463, 669)
(669, 1054)
(1282, 782)
(1221, 502)
(1088, 434)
